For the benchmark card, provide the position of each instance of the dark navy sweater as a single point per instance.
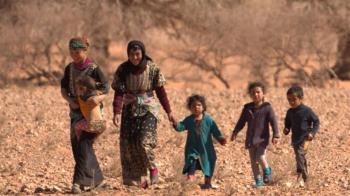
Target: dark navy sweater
(302, 121)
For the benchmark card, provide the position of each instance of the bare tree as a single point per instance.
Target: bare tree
(280, 42)
(337, 18)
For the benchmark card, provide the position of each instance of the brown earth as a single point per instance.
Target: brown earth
(35, 152)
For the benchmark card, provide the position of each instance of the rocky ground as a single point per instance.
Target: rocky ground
(35, 153)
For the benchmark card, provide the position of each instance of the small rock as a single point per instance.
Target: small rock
(161, 180)
(159, 186)
(343, 179)
(25, 189)
(40, 175)
(56, 189)
(39, 190)
(9, 191)
(284, 151)
(21, 164)
(288, 184)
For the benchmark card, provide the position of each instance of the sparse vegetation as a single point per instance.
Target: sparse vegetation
(277, 41)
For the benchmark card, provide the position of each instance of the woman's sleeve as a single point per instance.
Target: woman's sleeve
(158, 85)
(163, 98)
(117, 103)
(119, 88)
(65, 79)
(158, 79)
(118, 84)
(100, 77)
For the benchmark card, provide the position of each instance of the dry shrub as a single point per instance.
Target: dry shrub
(279, 42)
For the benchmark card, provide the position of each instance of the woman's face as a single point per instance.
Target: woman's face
(135, 56)
(78, 55)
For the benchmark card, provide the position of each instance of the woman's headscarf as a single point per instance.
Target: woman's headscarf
(78, 43)
(134, 45)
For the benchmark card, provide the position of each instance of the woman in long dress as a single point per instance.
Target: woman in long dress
(135, 82)
(87, 172)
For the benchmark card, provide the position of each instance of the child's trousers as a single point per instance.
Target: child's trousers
(257, 156)
(300, 157)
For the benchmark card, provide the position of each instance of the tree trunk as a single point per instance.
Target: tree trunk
(342, 65)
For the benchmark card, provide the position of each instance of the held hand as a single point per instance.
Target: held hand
(223, 141)
(116, 120)
(310, 137)
(286, 131)
(171, 118)
(275, 140)
(233, 136)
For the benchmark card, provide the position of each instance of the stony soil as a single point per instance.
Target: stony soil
(36, 157)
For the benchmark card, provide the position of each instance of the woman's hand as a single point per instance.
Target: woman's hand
(223, 141)
(286, 131)
(171, 118)
(73, 104)
(233, 136)
(275, 140)
(116, 120)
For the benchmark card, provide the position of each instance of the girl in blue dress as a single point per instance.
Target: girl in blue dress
(199, 150)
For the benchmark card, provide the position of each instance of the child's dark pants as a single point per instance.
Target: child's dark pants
(300, 157)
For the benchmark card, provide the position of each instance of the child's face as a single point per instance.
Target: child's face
(294, 100)
(197, 108)
(257, 94)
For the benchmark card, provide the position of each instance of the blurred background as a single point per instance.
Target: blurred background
(222, 43)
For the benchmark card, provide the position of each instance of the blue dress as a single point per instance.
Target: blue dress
(199, 143)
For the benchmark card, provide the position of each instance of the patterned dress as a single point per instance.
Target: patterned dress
(138, 136)
(87, 171)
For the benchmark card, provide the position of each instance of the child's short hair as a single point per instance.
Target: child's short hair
(296, 90)
(87, 82)
(253, 85)
(194, 98)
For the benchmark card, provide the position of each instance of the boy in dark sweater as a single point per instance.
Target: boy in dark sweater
(304, 124)
(258, 114)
